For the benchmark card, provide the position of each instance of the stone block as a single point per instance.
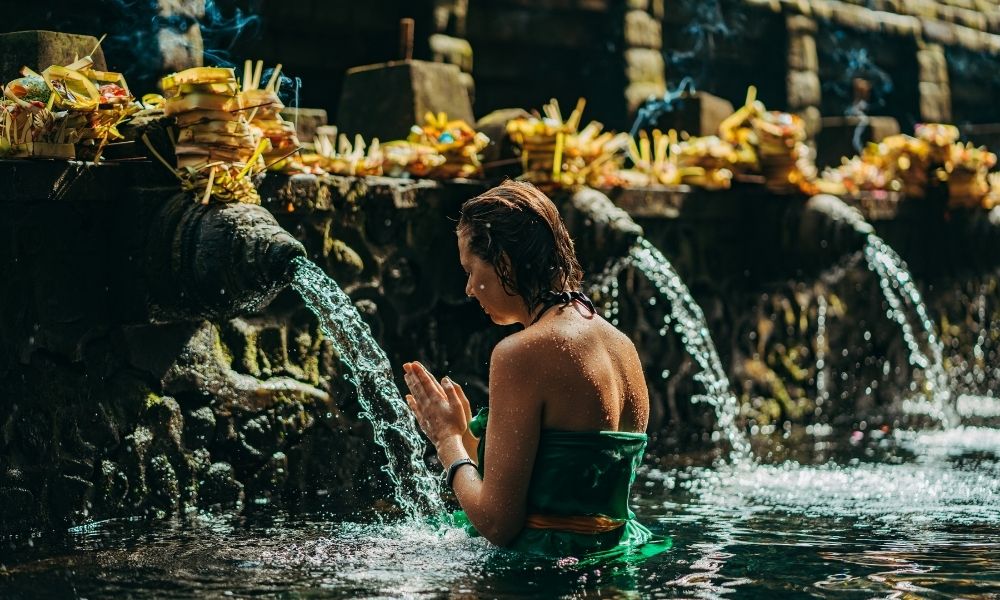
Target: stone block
(638, 4)
(41, 49)
(855, 17)
(450, 16)
(638, 92)
(307, 121)
(970, 38)
(199, 427)
(643, 30)
(891, 6)
(838, 135)
(385, 100)
(803, 89)
(593, 5)
(194, 9)
(644, 64)
(699, 114)
(939, 31)
(993, 21)
(658, 9)
(802, 55)
(935, 102)
(901, 25)
(933, 64)
(800, 24)
(220, 485)
(181, 50)
(922, 8)
(972, 19)
(456, 51)
(813, 120)
(822, 10)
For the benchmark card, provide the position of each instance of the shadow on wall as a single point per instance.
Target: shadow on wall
(888, 62)
(315, 41)
(725, 47)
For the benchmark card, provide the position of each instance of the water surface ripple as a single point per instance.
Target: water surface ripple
(923, 522)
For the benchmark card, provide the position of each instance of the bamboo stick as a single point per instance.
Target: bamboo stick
(253, 158)
(145, 140)
(247, 74)
(258, 71)
(557, 156)
(98, 45)
(274, 77)
(576, 115)
(208, 188)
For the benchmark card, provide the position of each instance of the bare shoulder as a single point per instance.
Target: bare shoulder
(545, 342)
(519, 350)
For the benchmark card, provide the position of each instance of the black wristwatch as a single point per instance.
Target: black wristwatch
(455, 466)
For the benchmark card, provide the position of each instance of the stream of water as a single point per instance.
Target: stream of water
(415, 489)
(687, 320)
(879, 513)
(904, 299)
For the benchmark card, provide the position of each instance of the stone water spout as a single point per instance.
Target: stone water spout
(600, 228)
(216, 260)
(827, 230)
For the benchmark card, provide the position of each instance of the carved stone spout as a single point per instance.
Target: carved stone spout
(827, 230)
(216, 260)
(600, 229)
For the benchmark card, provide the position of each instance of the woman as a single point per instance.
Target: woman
(568, 404)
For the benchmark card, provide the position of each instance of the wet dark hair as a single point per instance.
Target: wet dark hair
(518, 221)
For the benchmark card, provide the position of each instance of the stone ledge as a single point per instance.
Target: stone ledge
(284, 194)
(951, 26)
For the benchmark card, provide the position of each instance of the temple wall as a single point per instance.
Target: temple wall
(108, 410)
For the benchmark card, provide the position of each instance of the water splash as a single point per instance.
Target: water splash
(687, 320)
(902, 296)
(415, 489)
(978, 352)
(822, 393)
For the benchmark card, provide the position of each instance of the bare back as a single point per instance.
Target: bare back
(593, 379)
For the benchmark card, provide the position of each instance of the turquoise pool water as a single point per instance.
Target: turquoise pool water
(898, 515)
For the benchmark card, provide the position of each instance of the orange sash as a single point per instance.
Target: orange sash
(586, 524)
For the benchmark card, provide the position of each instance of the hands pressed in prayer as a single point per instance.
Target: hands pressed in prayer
(441, 407)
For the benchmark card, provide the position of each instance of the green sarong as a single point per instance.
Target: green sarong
(583, 476)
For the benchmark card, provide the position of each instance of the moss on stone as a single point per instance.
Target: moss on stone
(250, 352)
(341, 257)
(220, 349)
(152, 400)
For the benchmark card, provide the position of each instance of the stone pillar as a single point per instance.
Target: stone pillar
(38, 50)
(180, 41)
(448, 43)
(804, 92)
(935, 91)
(645, 70)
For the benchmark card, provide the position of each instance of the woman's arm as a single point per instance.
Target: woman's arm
(469, 441)
(496, 504)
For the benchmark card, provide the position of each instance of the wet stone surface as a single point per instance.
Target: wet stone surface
(108, 411)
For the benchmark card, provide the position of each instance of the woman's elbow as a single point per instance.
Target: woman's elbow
(501, 534)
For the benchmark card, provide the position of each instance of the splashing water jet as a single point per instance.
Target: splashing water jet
(903, 299)
(688, 321)
(415, 489)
